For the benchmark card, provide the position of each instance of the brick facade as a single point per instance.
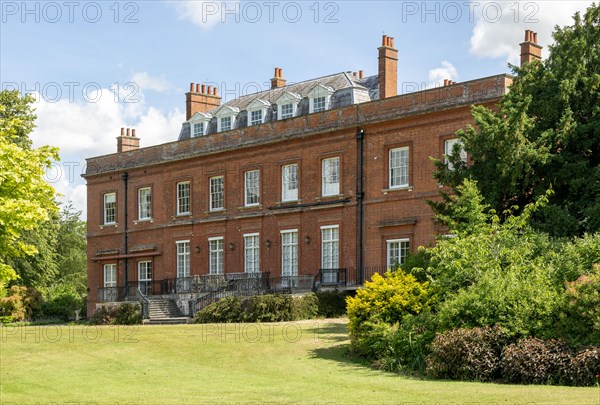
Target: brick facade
(420, 121)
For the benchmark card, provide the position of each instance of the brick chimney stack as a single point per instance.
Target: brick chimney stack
(530, 50)
(388, 68)
(127, 141)
(278, 80)
(201, 98)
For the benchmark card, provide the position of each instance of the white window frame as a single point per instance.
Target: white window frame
(216, 255)
(252, 253)
(144, 268)
(330, 247)
(448, 146)
(212, 191)
(285, 114)
(330, 176)
(199, 118)
(289, 178)
(228, 127)
(224, 112)
(256, 117)
(287, 99)
(252, 188)
(110, 275)
(319, 104)
(144, 204)
(318, 92)
(183, 200)
(113, 209)
(289, 253)
(399, 167)
(255, 107)
(198, 129)
(183, 265)
(402, 250)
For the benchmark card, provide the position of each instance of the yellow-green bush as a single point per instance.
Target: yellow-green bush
(388, 299)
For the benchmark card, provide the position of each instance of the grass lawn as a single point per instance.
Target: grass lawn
(298, 362)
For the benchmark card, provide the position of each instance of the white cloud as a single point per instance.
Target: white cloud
(147, 82)
(500, 26)
(85, 129)
(206, 14)
(437, 75)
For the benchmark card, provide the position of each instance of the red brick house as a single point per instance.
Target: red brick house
(320, 182)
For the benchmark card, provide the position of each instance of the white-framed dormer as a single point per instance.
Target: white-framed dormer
(199, 124)
(319, 98)
(257, 111)
(287, 105)
(226, 116)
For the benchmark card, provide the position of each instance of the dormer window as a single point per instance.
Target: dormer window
(199, 124)
(287, 105)
(226, 116)
(318, 104)
(287, 111)
(198, 129)
(256, 117)
(257, 111)
(319, 98)
(225, 123)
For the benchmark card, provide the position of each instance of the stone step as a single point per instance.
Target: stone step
(161, 308)
(167, 321)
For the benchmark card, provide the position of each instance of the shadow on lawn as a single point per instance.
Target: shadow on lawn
(336, 340)
(329, 332)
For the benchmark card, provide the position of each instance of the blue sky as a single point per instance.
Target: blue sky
(99, 66)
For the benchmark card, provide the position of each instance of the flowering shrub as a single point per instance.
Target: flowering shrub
(21, 304)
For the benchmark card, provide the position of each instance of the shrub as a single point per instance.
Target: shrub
(409, 345)
(576, 257)
(467, 354)
(122, 314)
(388, 299)
(22, 303)
(585, 367)
(521, 299)
(579, 316)
(305, 307)
(370, 339)
(226, 310)
(536, 361)
(332, 304)
(259, 308)
(268, 308)
(63, 302)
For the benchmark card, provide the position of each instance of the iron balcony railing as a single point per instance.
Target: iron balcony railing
(196, 284)
(292, 284)
(332, 277)
(116, 294)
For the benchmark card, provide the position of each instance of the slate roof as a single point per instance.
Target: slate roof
(347, 90)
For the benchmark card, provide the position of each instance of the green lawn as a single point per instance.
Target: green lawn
(299, 362)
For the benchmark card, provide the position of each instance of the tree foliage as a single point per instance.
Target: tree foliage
(544, 134)
(40, 247)
(17, 116)
(26, 200)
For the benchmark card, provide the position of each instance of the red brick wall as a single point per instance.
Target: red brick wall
(389, 214)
